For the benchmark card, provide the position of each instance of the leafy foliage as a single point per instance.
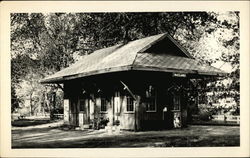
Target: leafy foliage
(42, 44)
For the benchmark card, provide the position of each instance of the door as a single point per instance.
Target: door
(167, 111)
(86, 113)
(167, 117)
(177, 111)
(74, 112)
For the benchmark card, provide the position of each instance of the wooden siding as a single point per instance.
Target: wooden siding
(126, 117)
(113, 91)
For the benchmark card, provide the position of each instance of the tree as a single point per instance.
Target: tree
(42, 44)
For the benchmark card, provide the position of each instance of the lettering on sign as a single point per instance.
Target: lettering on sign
(179, 75)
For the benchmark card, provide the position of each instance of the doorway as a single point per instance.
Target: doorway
(167, 117)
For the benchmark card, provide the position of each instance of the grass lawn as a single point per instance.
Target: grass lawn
(192, 136)
(29, 122)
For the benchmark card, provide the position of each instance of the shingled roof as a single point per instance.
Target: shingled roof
(135, 55)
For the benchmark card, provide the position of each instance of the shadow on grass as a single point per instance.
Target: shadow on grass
(30, 122)
(194, 136)
(118, 142)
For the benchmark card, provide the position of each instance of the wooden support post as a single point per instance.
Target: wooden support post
(66, 112)
(137, 114)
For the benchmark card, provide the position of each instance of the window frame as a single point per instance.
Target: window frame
(84, 105)
(133, 104)
(178, 101)
(103, 102)
(148, 105)
(74, 106)
(151, 99)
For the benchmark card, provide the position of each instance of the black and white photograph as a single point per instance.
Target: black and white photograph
(132, 79)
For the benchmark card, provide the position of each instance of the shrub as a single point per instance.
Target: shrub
(206, 116)
(116, 122)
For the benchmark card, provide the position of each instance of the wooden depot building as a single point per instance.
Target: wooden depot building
(138, 85)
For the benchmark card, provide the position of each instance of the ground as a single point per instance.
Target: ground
(29, 122)
(51, 136)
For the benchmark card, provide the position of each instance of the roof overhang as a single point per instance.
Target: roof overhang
(130, 68)
(133, 56)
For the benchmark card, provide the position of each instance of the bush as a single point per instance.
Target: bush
(116, 122)
(99, 124)
(206, 116)
(103, 122)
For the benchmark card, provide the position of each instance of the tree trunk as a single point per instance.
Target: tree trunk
(52, 105)
(31, 106)
(47, 102)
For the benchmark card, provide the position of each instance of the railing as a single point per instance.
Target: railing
(59, 116)
(229, 118)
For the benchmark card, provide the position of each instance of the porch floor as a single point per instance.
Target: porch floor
(192, 136)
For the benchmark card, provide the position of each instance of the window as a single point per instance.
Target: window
(73, 105)
(177, 103)
(103, 105)
(130, 103)
(150, 106)
(150, 99)
(82, 105)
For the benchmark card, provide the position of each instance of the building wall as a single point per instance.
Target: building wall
(127, 119)
(66, 111)
(116, 102)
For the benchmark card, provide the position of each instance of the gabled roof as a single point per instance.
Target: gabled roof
(133, 55)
